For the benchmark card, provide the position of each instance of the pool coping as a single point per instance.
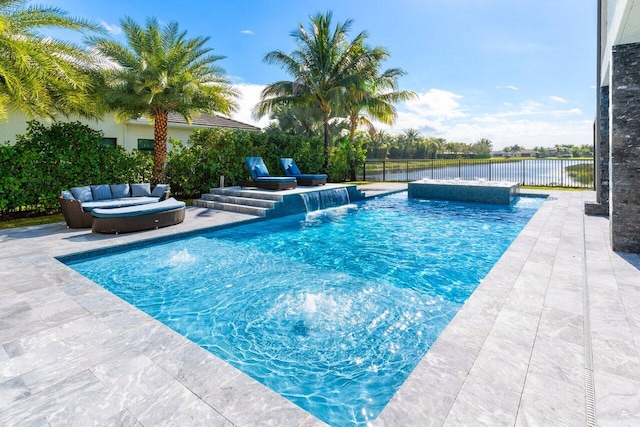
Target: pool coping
(85, 345)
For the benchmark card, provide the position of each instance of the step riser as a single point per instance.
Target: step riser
(270, 204)
(229, 207)
(245, 193)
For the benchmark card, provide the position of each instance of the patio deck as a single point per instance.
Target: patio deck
(550, 337)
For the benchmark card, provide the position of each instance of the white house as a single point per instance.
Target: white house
(133, 134)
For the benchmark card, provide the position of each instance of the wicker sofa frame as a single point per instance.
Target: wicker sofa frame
(74, 216)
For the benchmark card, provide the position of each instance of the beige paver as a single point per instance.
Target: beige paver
(518, 353)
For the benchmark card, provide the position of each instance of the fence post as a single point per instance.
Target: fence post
(459, 168)
(384, 171)
(407, 170)
(523, 162)
(364, 171)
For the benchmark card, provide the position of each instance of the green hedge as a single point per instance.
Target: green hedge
(48, 159)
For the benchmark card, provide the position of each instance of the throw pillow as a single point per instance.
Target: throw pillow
(119, 191)
(101, 192)
(66, 194)
(139, 190)
(159, 190)
(82, 193)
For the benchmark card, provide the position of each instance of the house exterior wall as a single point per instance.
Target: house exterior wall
(126, 133)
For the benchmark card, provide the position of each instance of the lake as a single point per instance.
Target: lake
(539, 172)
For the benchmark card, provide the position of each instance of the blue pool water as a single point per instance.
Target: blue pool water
(332, 310)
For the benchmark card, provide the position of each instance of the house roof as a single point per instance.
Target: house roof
(211, 120)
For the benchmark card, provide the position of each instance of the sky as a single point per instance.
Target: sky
(512, 71)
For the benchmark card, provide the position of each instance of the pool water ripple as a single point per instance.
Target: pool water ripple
(332, 310)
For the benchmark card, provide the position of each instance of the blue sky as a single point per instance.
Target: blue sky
(513, 71)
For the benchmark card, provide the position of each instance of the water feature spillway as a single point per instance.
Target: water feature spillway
(324, 199)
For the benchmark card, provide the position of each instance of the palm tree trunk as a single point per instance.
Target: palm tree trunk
(325, 164)
(160, 147)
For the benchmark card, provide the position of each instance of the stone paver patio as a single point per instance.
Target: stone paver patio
(550, 337)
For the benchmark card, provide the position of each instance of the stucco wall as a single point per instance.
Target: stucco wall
(126, 134)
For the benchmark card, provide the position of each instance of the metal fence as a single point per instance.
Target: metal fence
(533, 172)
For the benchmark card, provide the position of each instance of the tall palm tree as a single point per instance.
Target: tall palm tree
(298, 120)
(161, 71)
(39, 75)
(322, 67)
(373, 99)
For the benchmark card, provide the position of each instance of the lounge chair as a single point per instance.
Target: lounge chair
(306, 179)
(262, 179)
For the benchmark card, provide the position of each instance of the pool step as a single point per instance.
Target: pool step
(235, 199)
(247, 193)
(231, 207)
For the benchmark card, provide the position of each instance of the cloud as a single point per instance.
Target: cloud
(114, 30)
(558, 99)
(249, 32)
(249, 97)
(508, 87)
(436, 104)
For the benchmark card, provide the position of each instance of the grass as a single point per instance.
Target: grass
(583, 175)
(31, 221)
(538, 187)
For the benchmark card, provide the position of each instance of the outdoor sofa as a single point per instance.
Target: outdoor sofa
(137, 218)
(262, 179)
(305, 179)
(78, 202)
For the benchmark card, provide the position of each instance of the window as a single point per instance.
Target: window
(110, 142)
(145, 145)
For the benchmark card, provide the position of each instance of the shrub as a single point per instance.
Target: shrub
(48, 159)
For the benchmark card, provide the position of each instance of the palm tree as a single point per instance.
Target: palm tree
(297, 120)
(434, 146)
(322, 68)
(39, 75)
(160, 71)
(374, 99)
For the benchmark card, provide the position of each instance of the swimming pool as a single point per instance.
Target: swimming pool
(332, 310)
